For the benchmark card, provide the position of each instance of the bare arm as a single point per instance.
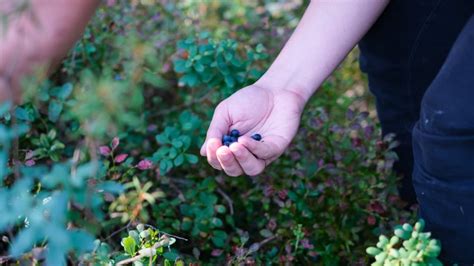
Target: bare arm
(272, 107)
(327, 32)
(39, 37)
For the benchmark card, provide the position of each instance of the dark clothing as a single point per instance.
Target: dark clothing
(405, 55)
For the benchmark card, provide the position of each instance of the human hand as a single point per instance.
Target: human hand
(274, 114)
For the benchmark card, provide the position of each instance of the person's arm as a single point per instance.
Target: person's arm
(272, 106)
(327, 32)
(38, 37)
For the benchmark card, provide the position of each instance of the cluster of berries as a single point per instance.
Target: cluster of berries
(234, 135)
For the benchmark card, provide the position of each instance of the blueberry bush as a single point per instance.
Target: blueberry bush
(409, 246)
(100, 166)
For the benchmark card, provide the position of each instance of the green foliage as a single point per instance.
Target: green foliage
(42, 209)
(409, 246)
(175, 143)
(111, 140)
(216, 64)
(146, 245)
(47, 146)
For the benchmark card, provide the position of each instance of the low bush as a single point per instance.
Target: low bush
(100, 162)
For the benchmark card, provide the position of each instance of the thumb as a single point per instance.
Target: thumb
(219, 126)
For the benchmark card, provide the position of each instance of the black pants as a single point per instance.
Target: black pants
(419, 58)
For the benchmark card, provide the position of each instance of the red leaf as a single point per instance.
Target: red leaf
(115, 143)
(145, 164)
(104, 150)
(121, 157)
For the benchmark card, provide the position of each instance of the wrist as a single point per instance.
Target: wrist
(283, 95)
(282, 81)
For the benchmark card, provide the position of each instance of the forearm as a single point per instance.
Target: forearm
(39, 37)
(327, 32)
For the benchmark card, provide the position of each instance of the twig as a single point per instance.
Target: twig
(174, 236)
(228, 199)
(182, 181)
(75, 160)
(266, 240)
(119, 230)
(164, 233)
(180, 193)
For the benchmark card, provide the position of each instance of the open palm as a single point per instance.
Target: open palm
(275, 115)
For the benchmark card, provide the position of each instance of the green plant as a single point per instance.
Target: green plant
(175, 143)
(409, 246)
(216, 64)
(112, 138)
(147, 245)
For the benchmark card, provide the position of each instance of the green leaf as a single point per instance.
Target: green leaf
(189, 80)
(154, 80)
(266, 233)
(172, 153)
(62, 92)
(229, 81)
(162, 138)
(219, 238)
(220, 208)
(134, 234)
(129, 245)
(171, 255)
(199, 67)
(216, 222)
(160, 154)
(165, 166)
(373, 251)
(204, 35)
(207, 198)
(177, 143)
(81, 241)
(186, 141)
(24, 241)
(4, 108)
(179, 160)
(23, 114)
(54, 110)
(111, 187)
(191, 158)
(186, 225)
(57, 146)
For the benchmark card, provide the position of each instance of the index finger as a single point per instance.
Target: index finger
(269, 148)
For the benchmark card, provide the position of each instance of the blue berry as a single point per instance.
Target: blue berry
(257, 137)
(233, 139)
(226, 138)
(227, 143)
(235, 133)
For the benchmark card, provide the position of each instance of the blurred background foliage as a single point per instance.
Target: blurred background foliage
(111, 140)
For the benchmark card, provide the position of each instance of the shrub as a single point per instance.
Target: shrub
(110, 141)
(417, 247)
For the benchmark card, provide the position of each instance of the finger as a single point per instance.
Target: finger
(211, 147)
(219, 126)
(247, 161)
(228, 162)
(268, 148)
(203, 150)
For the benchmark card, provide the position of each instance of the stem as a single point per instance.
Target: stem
(119, 230)
(228, 199)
